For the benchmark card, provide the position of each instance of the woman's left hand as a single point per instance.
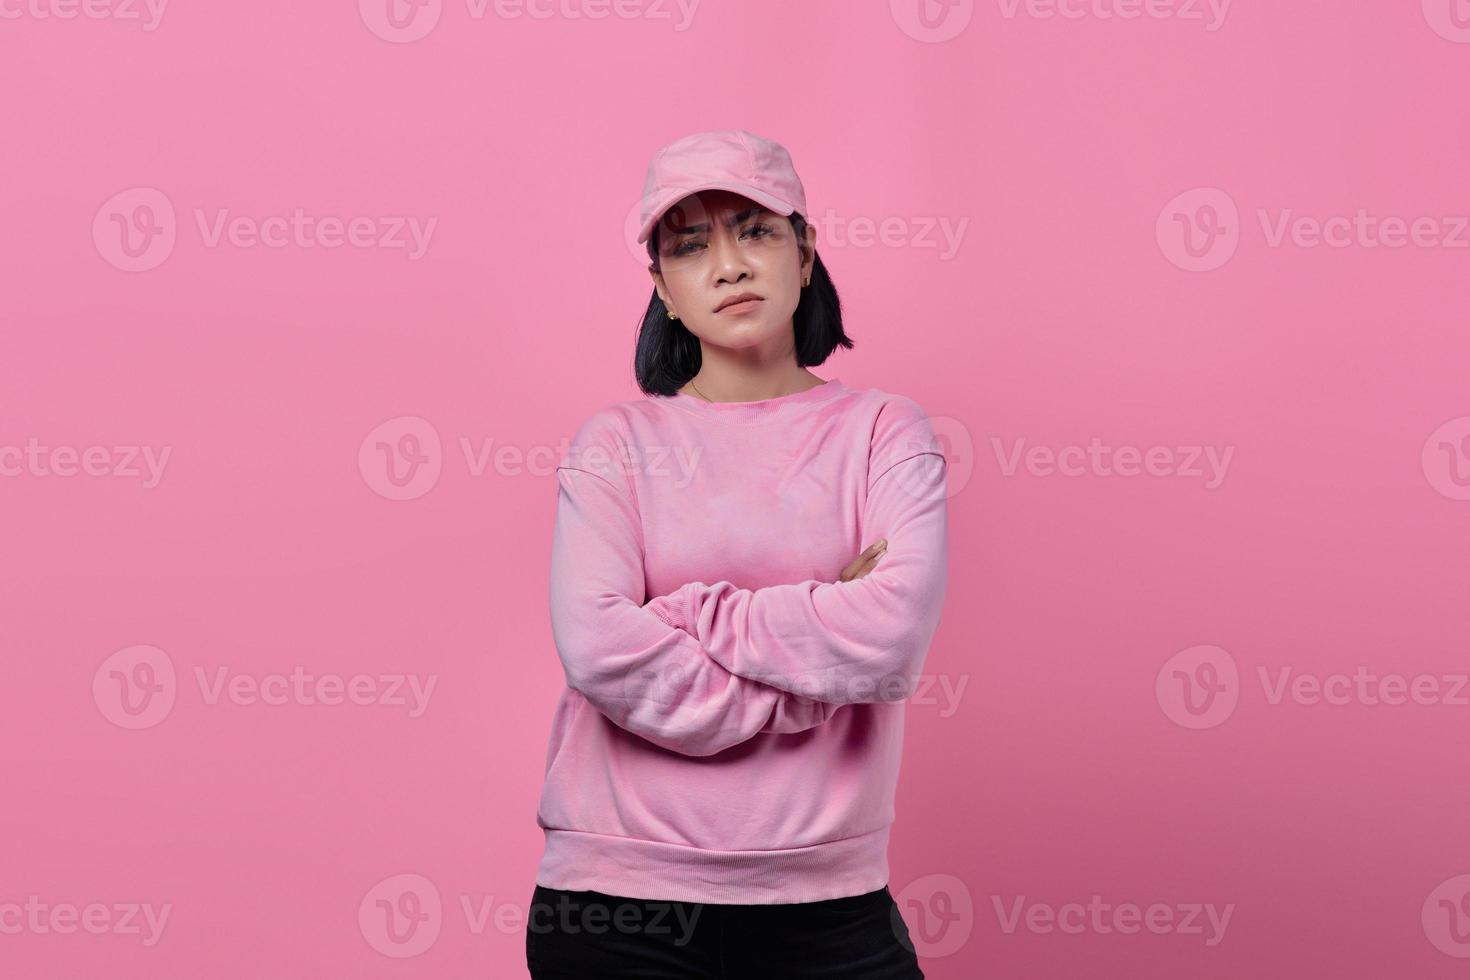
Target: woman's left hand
(865, 562)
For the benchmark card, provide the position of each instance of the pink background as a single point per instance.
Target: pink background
(1080, 759)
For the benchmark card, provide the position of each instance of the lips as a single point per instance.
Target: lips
(739, 298)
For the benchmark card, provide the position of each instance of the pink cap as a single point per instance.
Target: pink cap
(723, 159)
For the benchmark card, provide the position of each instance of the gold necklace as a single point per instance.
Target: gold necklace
(711, 401)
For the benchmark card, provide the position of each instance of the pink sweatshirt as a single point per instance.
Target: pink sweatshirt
(733, 718)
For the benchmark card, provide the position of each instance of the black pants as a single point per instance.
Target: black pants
(587, 935)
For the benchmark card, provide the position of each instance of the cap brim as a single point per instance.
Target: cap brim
(676, 194)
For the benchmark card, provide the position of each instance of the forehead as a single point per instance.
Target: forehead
(700, 207)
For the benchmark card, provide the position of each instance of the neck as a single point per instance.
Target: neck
(713, 386)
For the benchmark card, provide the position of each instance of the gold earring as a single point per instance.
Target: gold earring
(673, 315)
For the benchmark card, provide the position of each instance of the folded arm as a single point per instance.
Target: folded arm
(845, 642)
(645, 674)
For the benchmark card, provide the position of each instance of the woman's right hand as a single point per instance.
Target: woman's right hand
(865, 562)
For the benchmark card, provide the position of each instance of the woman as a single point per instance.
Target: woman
(720, 777)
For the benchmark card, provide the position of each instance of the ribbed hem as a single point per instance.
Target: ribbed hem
(575, 860)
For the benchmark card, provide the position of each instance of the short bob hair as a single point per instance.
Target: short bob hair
(667, 354)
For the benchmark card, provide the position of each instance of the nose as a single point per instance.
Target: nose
(728, 259)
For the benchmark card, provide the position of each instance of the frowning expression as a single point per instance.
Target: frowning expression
(731, 269)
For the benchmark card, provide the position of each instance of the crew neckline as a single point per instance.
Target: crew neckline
(760, 410)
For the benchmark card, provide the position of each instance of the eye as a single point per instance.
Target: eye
(757, 230)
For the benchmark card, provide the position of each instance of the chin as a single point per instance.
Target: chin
(743, 334)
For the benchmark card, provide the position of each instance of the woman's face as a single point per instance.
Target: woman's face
(717, 245)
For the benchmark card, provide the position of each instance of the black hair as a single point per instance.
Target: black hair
(667, 355)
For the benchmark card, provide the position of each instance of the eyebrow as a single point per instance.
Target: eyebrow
(732, 221)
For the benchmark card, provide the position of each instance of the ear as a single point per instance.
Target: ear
(808, 246)
(658, 285)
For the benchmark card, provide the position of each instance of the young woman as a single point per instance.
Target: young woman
(747, 567)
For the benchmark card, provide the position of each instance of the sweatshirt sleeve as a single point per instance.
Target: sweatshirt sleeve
(847, 642)
(643, 672)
